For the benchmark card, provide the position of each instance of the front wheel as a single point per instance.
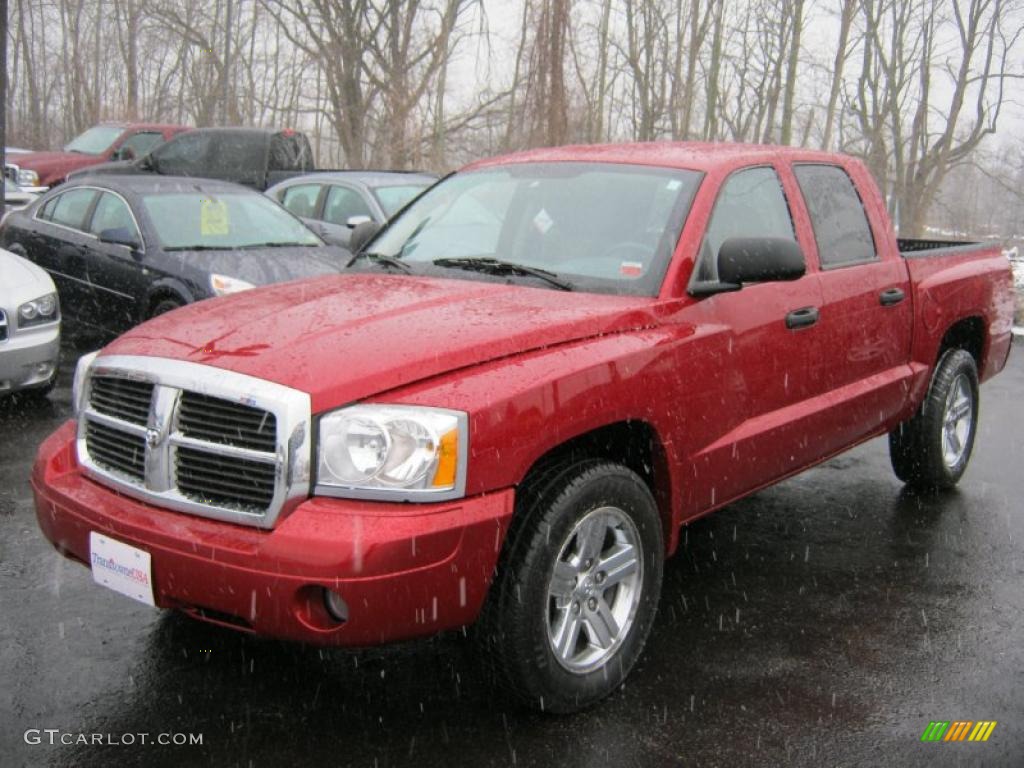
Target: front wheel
(932, 450)
(578, 590)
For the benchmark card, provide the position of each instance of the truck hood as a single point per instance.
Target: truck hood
(353, 336)
(53, 166)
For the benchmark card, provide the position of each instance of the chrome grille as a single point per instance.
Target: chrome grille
(224, 480)
(195, 438)
(122, 398)
(117, 450)
(222, 421)
(3, 326)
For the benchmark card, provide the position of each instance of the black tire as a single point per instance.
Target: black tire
(163, 305)
(920, 453)
(521, 613)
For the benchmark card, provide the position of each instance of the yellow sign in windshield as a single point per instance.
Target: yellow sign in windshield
(213, 217)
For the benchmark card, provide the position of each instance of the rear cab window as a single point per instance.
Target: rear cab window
(840, 223)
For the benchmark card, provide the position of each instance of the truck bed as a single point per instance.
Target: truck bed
(914, 248)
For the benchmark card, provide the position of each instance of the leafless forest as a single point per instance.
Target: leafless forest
(928, 92)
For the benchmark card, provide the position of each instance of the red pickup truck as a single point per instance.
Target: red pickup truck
(99, 144)
(525, 385)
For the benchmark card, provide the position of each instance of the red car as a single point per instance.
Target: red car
(531, 379)
(99, 144)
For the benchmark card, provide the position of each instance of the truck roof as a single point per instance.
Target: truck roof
(691, 155)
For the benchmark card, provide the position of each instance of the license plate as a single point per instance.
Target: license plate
(121, 567)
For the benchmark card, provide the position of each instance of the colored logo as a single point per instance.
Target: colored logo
(958, 730)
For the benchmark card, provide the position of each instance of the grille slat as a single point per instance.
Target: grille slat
(236, 480)
(221, 421)
(116, 450)
(123, 399)
(3, 326)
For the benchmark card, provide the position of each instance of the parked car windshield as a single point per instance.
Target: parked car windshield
(599, 227)
(95, 141)
(201, 220)
(392, 199)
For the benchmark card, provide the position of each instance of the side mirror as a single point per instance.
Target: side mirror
(354, 221)
(362, 234)
(120, 236)
(759, 260)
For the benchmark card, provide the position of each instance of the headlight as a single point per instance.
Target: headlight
(78, 385)
(222, 285)
(27, 178)
(396, 452)
(45, 309)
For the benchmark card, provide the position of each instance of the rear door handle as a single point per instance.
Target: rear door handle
(801, 318)
(891, 296)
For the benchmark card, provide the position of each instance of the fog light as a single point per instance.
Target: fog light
(336, 605)
(44, 369)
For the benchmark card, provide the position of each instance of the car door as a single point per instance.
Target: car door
(59, 246)
(340, 206)
(115, 272)
(868, 324)
(767, 345)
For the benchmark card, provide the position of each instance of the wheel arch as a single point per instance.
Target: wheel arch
(167, 288)
(634, 443)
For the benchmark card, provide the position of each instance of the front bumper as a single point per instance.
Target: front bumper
(29, 358)
(405, 570)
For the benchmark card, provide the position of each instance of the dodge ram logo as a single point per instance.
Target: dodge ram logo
(153, 437)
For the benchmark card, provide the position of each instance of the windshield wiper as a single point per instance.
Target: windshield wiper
(199, 247)
(277, 244)
(498, 267)
(380, 258)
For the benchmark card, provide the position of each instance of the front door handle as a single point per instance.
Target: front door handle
(891, 296)
(801, 318)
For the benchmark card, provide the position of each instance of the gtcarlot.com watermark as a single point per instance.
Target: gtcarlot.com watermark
(57, 737)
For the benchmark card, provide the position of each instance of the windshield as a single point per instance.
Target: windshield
(199, 220)
(95, 141)
(392, 199)
(600, 227)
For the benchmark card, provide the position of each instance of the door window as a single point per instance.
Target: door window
(69, 209)
(841, 227)
(301, 199)
(112, 213)
(139, 144)
(182, 154)
(343, 203)
(751, 203)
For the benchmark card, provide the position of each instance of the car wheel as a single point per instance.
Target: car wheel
(932, 450)
(578, 587)
(165, 305)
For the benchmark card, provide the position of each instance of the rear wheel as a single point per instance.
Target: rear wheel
(578, 588)
(932, 450)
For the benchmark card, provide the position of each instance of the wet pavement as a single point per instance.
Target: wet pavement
(824, 621)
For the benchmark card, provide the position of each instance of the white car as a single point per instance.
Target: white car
(29, 326)
(15, 198)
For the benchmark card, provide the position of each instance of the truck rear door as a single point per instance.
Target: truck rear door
(867, 314)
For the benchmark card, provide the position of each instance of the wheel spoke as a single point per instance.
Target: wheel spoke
(601, 625)
(618, 565)
(567, 634)
(954, 441)
(563, 581)
(590, 538)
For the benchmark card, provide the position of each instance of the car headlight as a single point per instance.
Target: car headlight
(27, 178)
(222, 285)
(78, 385)
(45, 309)
(393, 452)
